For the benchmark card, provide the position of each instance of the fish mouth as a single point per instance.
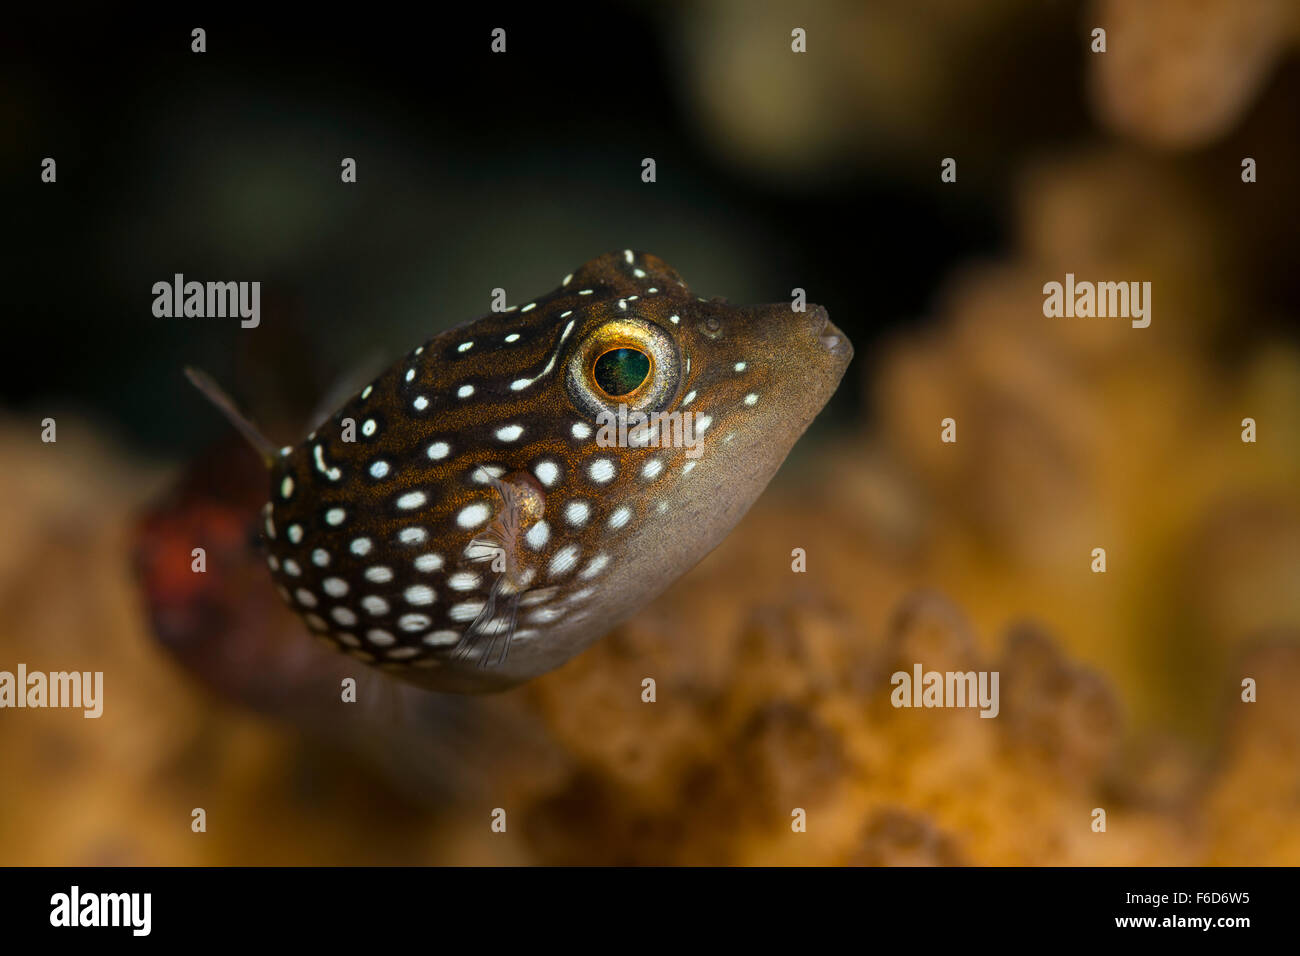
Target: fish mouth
(797, 340)
(830, 335)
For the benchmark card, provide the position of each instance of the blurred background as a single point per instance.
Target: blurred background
(819, 170)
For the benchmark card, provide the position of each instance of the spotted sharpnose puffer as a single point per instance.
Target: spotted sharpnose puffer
(511, 490)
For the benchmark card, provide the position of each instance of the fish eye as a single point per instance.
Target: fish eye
(620, 371)
(628, 361)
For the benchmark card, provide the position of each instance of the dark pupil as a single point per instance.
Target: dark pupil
(620, 371)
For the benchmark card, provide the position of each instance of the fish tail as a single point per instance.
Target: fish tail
(218, 397)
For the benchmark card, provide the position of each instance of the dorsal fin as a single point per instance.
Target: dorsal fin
(345, 385)
(217, 396)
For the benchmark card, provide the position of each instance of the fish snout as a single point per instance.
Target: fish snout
(810, 335)
(830, 335)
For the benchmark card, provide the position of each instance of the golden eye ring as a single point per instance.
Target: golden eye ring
(638, 359)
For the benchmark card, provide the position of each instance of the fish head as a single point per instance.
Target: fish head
(520, 485)
(674, 413)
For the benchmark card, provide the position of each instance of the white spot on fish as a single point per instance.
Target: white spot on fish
(419, 594)
(538, 535)
(577, 512)
(465, 611)
(412, 499)
(483, 474)
(480, 550)
(473, 515)
(594, 566)
(540, 596)
(547, 472)
(428, 562)
(564, 560)
(463, 581)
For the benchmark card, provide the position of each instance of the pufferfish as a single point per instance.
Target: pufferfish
(472, 518)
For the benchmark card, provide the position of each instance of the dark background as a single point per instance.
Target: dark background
(475, 170)
(775, 170)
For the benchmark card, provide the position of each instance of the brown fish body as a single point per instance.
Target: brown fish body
(474, 517)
